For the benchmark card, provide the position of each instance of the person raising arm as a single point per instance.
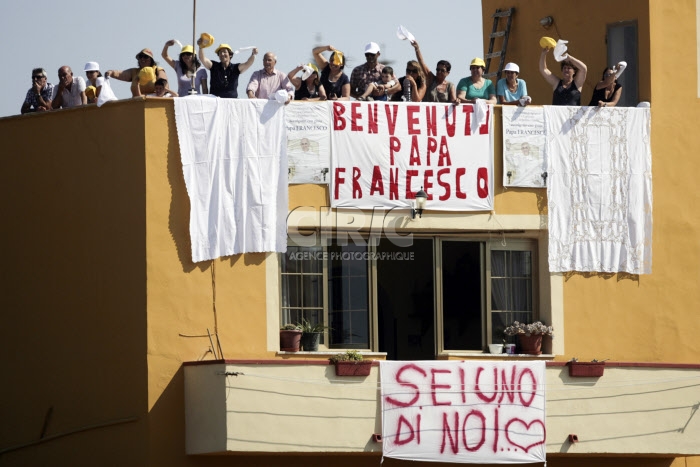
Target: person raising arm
(567, 90)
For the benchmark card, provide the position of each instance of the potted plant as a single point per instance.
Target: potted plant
(350, 363)
(592, 369)
(311, 335)
(290, 337)
(529, 335)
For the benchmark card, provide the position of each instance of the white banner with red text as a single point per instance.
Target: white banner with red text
(464, 411)
(383, 153)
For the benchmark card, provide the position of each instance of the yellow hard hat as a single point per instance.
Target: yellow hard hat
(188, 49)
(207, 40)
(224, 46)
(547, 42)
(477, 62)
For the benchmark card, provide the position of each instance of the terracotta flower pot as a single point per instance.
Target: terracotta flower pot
(353, 368)
(531, 344)
(586, 369)
(290, 341)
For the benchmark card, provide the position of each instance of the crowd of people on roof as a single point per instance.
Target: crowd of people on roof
(323, 80)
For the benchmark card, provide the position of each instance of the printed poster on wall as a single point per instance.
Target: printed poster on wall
(464, 412)
(384, 153)
(308, 142)
(524, 163)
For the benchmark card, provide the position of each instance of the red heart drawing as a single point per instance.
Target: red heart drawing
(525, 432)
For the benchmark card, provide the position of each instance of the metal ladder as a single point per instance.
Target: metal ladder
(494, 34)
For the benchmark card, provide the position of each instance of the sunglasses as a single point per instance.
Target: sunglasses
(38, 77)
(442, 70)
(411, 70)
(369, 55)
(142, 56)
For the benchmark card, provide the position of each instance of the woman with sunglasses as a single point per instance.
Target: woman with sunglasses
(413, 85)
(187, 66)
(94, 81)
(333, 80)
(143, 77)
(307, 88)
(438, 88)
(475, 87)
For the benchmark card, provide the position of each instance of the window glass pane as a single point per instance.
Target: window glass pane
(358, 293)
(294, 316)
(499, 294)
(312, 290)
(348, 305)
(291, 291)
(289, 262)
(498, 263)
(313, 260)
(521, 263)
(522, 298)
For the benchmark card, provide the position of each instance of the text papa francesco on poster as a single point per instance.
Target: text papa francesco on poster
(384, 153)
(459, 411)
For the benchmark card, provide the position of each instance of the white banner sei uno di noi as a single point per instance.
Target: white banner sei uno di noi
(464, 411)
(383, 153)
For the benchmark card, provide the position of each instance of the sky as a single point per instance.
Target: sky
(49, 34)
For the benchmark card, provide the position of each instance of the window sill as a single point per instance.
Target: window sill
(329, 353)
(492, 356)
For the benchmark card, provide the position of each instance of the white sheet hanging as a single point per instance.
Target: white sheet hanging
(234, 161)
(599, 189)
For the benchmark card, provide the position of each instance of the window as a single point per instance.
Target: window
(511, 288)
(302, 282)
(437, 295)
(622, 46)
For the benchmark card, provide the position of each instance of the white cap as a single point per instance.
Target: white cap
(512, 67)
(281, 96)
(372, 48)
(92, 66)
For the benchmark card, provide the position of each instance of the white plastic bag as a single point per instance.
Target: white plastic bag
(106, 94)
(560, 50)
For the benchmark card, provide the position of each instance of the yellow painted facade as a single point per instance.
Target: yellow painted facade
(103, 306)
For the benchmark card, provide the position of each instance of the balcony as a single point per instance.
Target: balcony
(301, 406)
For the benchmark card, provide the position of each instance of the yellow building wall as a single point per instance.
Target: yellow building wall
(126, 306)
(646, 318)
(74, 287)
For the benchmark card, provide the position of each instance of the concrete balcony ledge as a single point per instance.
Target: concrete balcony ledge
(277, 406)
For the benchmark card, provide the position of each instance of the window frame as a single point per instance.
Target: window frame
(487, 245)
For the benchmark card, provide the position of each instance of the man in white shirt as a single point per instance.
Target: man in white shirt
(70, 91)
